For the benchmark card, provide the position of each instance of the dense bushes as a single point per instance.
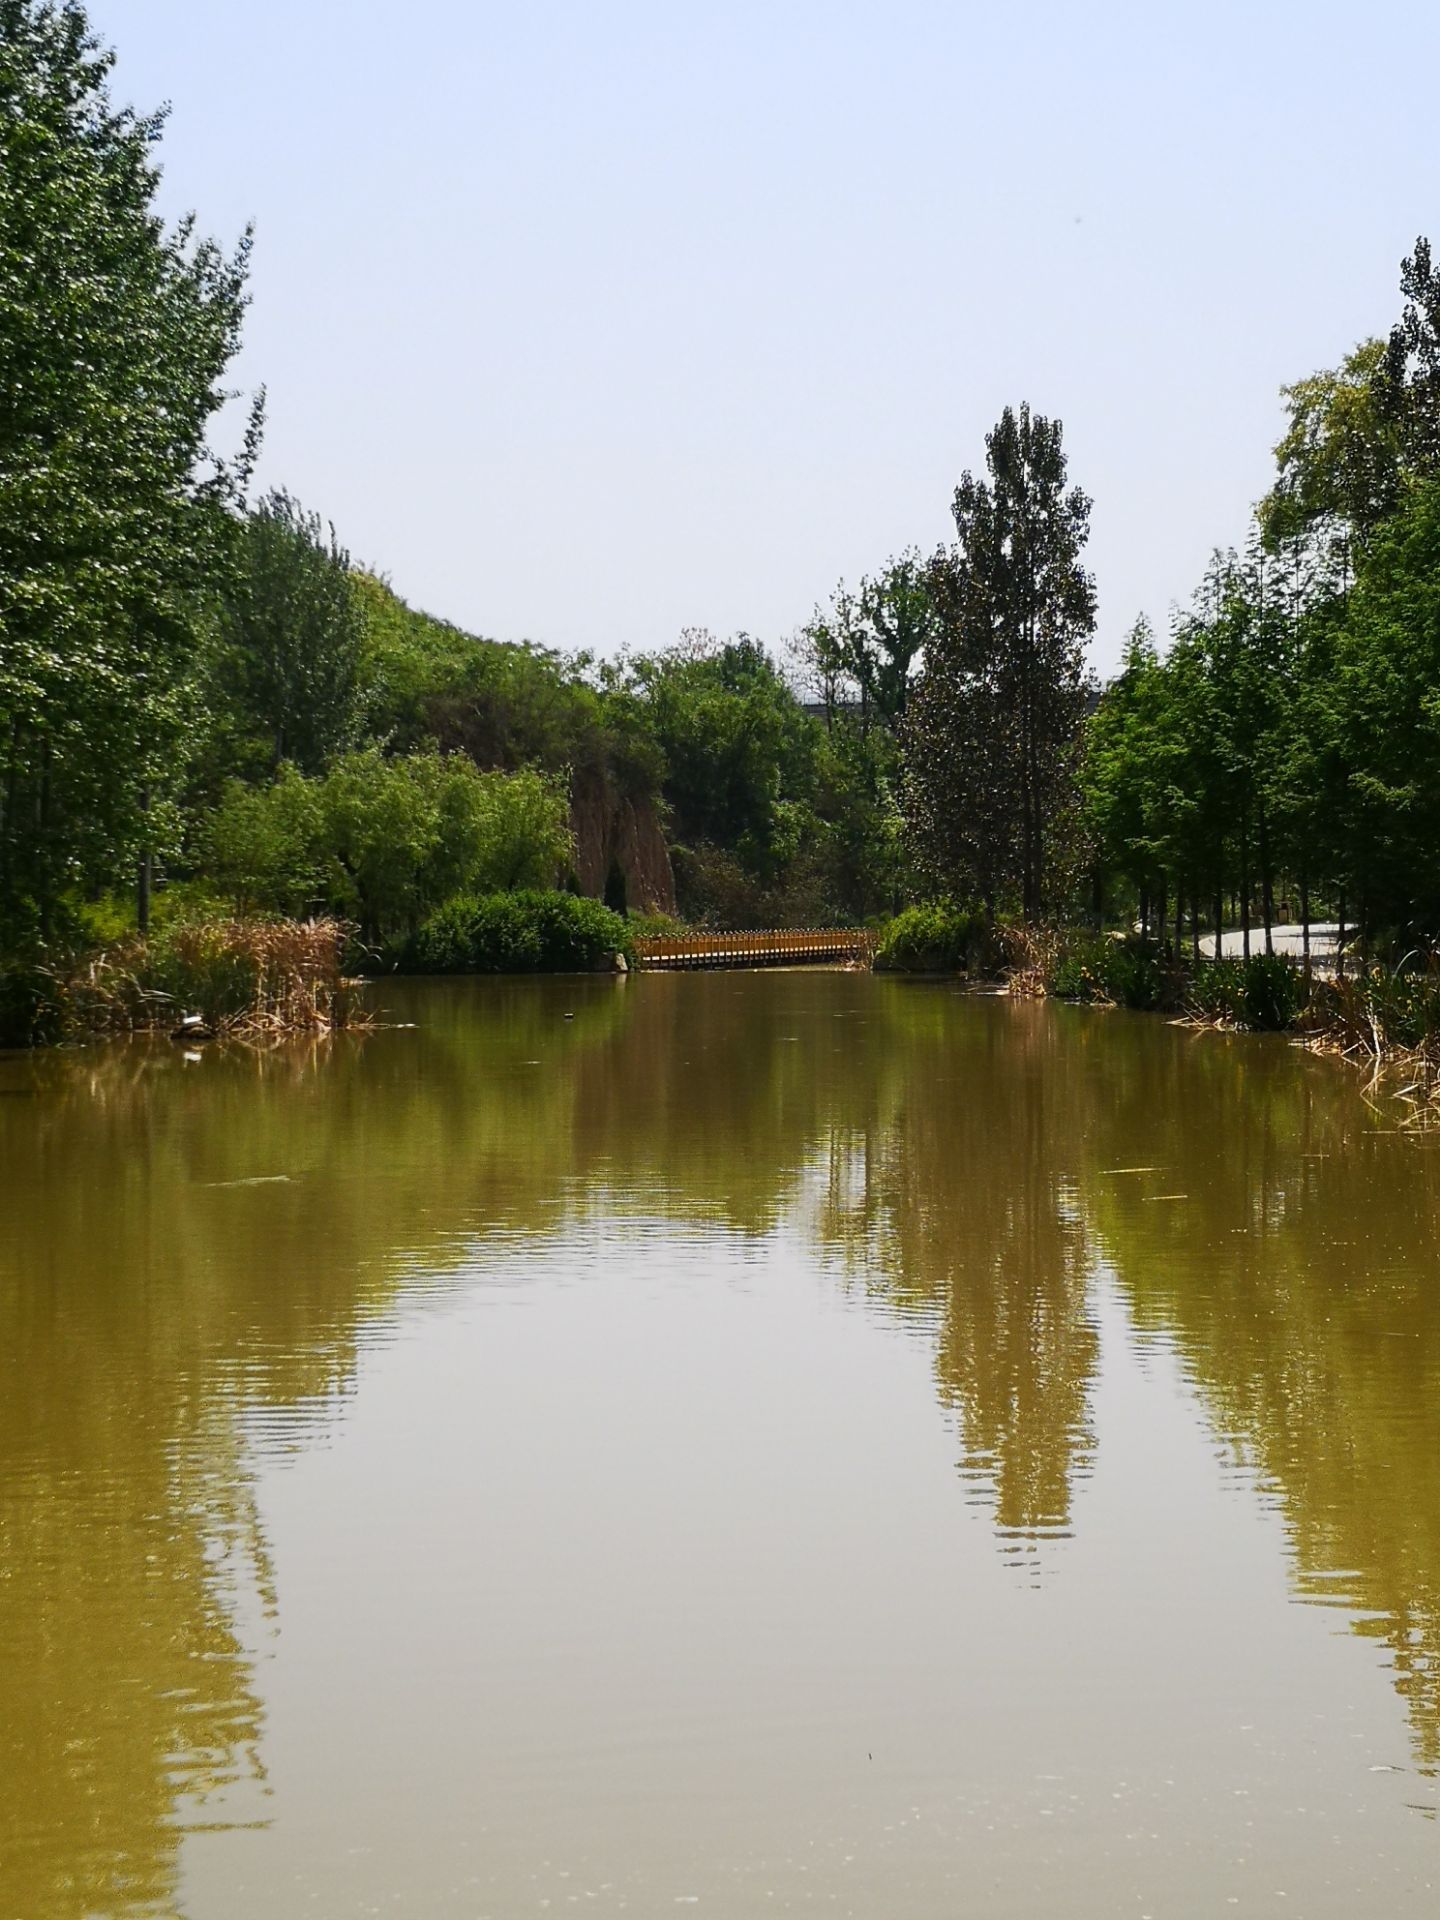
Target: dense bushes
(1134, 972)
(937, 938)
(527, 932)
(1265, 992)
(385, 842)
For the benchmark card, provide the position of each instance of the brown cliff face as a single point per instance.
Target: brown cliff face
(615, 835)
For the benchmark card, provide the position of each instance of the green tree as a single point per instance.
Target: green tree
(387, 841)
(864, 647)
(1383, 713)
(290, 642)
(1338, 465)
(1410, 383)
(738, 748)
(994, 728)
(115, 335)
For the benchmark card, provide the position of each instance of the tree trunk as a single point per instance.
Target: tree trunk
(1267, 881)
(1305, 918)
(1245, 885)
(1179, 918)
(1340, 941)
(145, 869)
(1219, 913)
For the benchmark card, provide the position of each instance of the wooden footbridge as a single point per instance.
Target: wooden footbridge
(780, 947)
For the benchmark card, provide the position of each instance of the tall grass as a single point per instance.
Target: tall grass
(226, 977)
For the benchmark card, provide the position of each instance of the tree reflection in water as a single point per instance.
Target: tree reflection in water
(954, 1157)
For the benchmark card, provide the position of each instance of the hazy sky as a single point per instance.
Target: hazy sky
(589, 322)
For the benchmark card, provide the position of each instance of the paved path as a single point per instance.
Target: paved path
(1288, 940)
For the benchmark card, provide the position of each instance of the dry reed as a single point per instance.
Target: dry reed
(241, 978)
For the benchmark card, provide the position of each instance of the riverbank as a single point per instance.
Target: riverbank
(229, 975)
(1386, 1019)
(217, 978)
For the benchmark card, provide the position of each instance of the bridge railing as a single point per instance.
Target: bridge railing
(775, 946)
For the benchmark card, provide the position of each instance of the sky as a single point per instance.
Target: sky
(590, 323)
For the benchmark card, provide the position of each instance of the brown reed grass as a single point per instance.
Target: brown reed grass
(246, 978)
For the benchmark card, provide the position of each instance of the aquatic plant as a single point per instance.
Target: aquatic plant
(209, 977)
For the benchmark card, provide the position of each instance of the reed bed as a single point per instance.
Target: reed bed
(237, 978)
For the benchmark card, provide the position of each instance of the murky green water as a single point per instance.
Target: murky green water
(753, 1443)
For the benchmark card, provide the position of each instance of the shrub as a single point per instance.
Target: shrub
(386, 841)
(1217, 991)
(1133, 972)
(528, 932)
(936, 938)
(1266, 993)
(1274, 992)
(32, 1011)
(655, 926)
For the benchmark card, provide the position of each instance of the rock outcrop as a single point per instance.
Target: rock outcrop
(619, 842)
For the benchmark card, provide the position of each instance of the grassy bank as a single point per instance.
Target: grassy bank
(227, 975)
(1378, 1014)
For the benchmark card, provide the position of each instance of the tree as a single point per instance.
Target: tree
(115, 335)
(994, 729)
(863, 648)
(1384, 715)
(292, 634)
(387, 841)
(738, 748)
(896, 623)
(1339, 464)
(1410, 382)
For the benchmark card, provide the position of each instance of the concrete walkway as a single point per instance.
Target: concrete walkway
(1289, 940)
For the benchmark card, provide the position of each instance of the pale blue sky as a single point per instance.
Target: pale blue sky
(590, 322)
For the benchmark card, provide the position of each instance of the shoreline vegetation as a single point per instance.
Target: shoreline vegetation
(238, 772)
(260, 979)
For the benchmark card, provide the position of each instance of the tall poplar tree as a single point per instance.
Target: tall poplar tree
(994, 726)
(115, 334)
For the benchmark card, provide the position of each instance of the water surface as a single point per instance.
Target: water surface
(755, 1443)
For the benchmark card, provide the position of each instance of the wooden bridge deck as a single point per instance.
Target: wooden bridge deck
(779, 947)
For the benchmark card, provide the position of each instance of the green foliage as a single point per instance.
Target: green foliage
(994, 729)
(936, 937)
(862, 650)
(286, 660)
(506, 706)
(527, 932)
(115, 335)
(654, 926)
(386, 841)
(1134, 972)
(738, 749)
(1266, 993)
(1338, 466)
(1274, 992)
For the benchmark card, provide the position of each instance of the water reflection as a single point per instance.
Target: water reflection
(192, 1255)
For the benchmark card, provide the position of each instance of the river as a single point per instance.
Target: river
(732, 1443)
